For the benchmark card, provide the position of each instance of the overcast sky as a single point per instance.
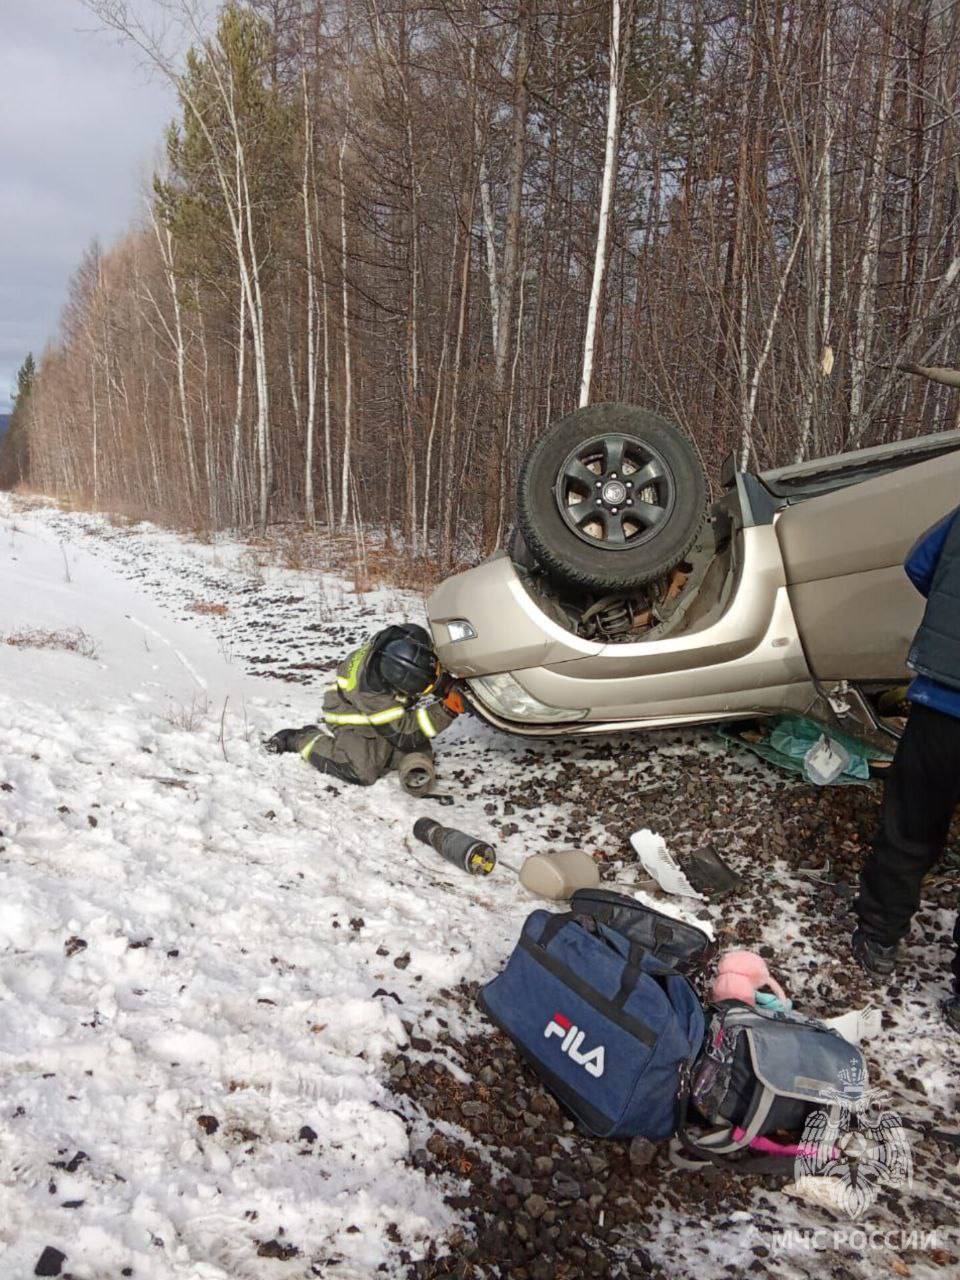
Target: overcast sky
(81, 128)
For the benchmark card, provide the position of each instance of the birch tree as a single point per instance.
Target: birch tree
(347, 343)
(619, 52)
(866, 283)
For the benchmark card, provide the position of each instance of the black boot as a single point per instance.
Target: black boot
(951, 1011)
(875, 957)
(288, 740)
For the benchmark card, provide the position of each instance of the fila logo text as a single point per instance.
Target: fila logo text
(572, 1046)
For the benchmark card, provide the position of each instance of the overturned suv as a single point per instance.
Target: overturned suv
(627, 600)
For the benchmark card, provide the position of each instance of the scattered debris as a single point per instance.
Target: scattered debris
(50, 1262)
(276, 1249)
(657, 861)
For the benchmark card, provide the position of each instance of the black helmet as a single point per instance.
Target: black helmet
(407, 662)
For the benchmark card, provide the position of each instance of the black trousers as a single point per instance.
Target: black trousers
(922, 791)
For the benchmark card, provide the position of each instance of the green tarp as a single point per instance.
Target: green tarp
(789, 738)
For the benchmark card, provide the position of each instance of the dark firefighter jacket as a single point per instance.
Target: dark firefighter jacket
(366, 732)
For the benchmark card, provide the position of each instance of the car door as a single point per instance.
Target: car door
(843, 554)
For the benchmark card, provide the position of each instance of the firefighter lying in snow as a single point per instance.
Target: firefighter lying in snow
(388, 702)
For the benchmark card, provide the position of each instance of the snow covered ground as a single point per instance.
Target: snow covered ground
(181, 937)
(209, 956)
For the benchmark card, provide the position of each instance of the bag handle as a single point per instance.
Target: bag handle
(553, 927)
(633, 967)
(631, 974)
(747, 1166)
(631, 970)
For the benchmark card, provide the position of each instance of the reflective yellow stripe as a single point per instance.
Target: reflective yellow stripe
(379, 717)
(305, 753)
(388, 716)
(349, 681)
(425, 723)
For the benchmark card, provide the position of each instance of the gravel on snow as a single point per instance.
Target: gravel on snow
(240, 1035)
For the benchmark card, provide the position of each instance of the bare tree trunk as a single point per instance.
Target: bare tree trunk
(753, 386)
(508, 432)
(826, 221)
(438, 389)
(347, 374)
(490, 245)
(486, 205)
(869, 260)
(327, 422)
(511, 249)
(96, 421)
(257, 322)
(309, 504)
(413, 354)
(446, 536)
(607, 189)
(165, 243)
(819, 260)
(293, 373)
(746, 439)
(210, 461)
(235, 478)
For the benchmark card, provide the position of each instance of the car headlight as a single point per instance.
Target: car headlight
(460, 629)
(506, 696)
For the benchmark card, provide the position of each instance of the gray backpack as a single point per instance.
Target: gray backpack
(762, 1073)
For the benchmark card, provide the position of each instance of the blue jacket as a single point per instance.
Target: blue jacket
(922, 566)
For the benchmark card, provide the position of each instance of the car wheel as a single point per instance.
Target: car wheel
(611, 498)
(519, 552)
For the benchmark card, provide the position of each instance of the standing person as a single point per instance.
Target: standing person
(389, 700)
(923, 785)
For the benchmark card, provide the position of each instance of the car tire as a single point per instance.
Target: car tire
(520, 553)
(587, 522)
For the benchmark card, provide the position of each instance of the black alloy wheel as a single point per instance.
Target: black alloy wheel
(612, 497)
(615, 490)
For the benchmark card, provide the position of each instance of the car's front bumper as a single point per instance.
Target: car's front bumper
(792, 697)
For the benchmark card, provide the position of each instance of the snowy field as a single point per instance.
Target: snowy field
(210, 957)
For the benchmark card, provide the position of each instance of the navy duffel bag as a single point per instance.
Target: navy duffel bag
(604, 1023)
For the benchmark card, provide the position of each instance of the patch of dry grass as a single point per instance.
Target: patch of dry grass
(190, 718)
(121, 519)
(208, 607)
(395, 568)
(362, 556)
(70, 639)
(298, 552)
(255, 557)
